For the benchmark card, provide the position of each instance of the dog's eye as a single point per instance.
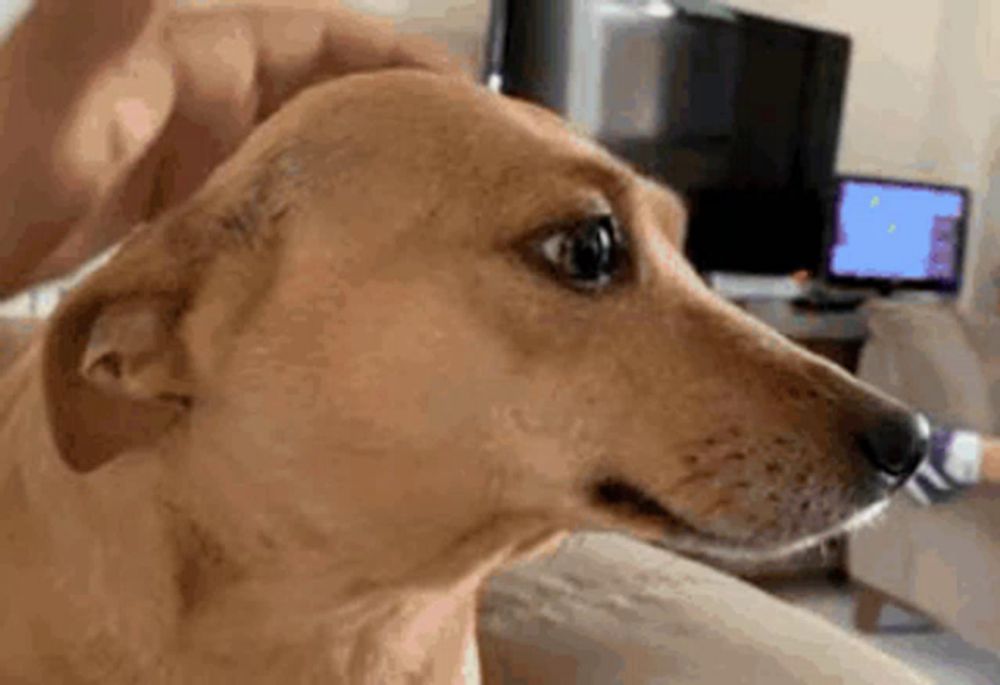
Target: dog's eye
(588, 254)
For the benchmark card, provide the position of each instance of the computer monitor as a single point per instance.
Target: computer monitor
(891, 234)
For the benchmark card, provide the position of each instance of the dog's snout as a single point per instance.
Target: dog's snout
(895, 444)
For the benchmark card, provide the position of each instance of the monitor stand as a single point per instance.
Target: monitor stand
(821, 299)
(801, 292)
(740, 287)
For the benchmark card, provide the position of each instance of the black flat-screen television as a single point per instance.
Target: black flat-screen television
(738, 112)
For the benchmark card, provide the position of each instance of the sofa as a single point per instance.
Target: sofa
(943, 561)
(609, 610)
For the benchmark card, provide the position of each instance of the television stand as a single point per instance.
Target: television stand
(820, 301)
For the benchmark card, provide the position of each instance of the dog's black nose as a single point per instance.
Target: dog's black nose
(896, 444)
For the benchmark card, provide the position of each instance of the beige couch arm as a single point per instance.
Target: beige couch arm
(928, 356)
(941, 560)
(606, 610)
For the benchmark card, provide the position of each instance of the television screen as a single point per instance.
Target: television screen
(758, 184)
(898, 234)
(739, 113)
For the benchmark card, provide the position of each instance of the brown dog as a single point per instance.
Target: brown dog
(410, 331)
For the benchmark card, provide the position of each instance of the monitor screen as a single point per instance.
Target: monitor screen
(898, 234)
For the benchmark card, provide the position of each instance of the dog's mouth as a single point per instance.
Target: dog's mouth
(630, 503)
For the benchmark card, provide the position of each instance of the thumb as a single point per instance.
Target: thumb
(84, 89)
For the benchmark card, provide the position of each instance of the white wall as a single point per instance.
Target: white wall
(10, 12)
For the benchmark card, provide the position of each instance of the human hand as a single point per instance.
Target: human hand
(59, 138)
(116, 110)
(954, 462)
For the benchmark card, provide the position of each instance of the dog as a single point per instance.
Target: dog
(410, 332)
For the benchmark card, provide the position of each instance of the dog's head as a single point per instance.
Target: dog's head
(410, 309)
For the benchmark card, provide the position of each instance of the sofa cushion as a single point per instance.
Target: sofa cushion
(942, 560)
(608, 609)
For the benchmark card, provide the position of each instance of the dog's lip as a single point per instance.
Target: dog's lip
(715, 548)
(625, 498)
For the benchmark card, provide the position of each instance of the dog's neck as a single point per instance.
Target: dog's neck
(114, 593)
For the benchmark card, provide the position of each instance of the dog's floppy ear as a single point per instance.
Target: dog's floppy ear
(115, 366)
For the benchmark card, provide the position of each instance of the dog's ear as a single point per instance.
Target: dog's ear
(116, 369)
(116, 375)
(133, 353)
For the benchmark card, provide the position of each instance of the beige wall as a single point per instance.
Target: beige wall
(460, 24)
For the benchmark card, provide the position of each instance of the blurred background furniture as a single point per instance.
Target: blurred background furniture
(942, 561)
